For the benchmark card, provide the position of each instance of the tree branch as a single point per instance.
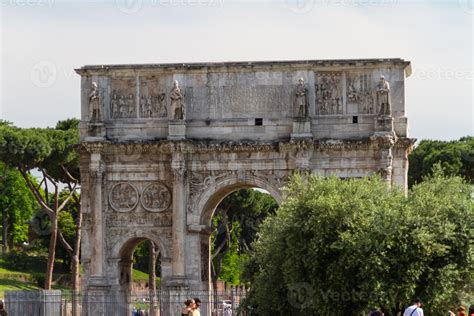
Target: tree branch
(36, 192)
(68, 175)
(65, 243)
(71, 193)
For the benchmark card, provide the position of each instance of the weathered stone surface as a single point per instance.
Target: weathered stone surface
(146, 175)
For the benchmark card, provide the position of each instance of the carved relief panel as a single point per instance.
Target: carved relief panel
(360, 94)
(328, 90)
(153, 197)
(156, 197)
(123, 197)
(153, 100)
(123, 99)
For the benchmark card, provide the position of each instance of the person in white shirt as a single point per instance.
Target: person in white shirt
(415, 309)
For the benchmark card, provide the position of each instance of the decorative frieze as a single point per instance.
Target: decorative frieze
(144, 220)
(188, 147)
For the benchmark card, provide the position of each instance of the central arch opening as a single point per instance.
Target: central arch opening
(234, 224)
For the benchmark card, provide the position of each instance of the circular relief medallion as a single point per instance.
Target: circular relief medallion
(156, 197)
(123, 197)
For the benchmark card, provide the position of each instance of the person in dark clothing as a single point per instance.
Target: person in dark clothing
(3, 312)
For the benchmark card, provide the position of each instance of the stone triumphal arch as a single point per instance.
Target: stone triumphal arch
(163, 144)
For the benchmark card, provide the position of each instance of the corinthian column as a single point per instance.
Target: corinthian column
(96, 171)
(179, 214)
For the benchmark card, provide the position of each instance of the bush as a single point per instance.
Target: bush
(339, 247)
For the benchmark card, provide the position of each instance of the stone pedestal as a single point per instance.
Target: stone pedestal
(173, 298)
(384, 125)
(176, 130)
(96, 131)
(98, 299)
(301, 128)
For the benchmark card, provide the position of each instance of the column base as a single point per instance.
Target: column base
(98, 299)
(177, 283)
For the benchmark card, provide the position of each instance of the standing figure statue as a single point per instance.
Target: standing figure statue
(301, 99)
(114, 106)
(177, 102)
(94, 103)
(383, 97)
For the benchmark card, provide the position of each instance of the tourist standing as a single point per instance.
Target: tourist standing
(3, 312)
(188, 307)
(461, 311)
(471, 310)
(197, 305)
(415, 309)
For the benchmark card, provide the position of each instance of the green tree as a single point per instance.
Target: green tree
(17, 205)
(338, 247)
(50, 152)
(455, 157)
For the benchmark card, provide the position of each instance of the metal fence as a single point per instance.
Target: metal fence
(163, 303)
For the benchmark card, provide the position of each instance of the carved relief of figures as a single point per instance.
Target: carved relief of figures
(122, 106)
(362, 95)
(94, 104)
(177, 103)
(301, 99)
(153, 106)
(383, 97)
(328, 94)
(156, 197)
(123, 197)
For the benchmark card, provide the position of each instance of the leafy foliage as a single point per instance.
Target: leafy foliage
(236, 223)
(455, 157)
(17, 203)
(340, 247)
(50, 151)
(141, 258)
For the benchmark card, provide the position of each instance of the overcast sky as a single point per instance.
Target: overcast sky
(42, 41)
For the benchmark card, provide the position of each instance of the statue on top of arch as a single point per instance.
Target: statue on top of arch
(301, 99)
(178, 111)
